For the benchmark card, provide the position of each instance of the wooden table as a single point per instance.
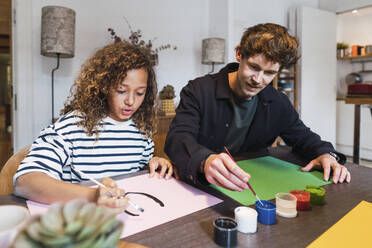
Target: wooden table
(196, 230)
(357, 101)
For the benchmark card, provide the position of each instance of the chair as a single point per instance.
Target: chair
(9, 169)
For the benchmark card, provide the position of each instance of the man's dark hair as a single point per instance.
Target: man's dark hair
(271, 40)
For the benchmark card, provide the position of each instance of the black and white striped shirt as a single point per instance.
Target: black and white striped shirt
(119, 149)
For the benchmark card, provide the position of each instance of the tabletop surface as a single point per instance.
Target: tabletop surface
(196, 230)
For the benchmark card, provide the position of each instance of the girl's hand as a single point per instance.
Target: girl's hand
(166, 167)
(111, 196)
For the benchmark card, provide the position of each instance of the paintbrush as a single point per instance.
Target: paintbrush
(102, 185)
(249, 185)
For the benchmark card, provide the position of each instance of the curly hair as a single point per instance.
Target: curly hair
(101, 73)
(271, 40)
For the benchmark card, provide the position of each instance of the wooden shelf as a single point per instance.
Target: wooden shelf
(287, 91)
(292, 77)
(287, 78)
(355, 57)
(358, 100)
(287, 72)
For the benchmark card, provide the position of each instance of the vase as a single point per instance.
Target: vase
(340, 53)
(167, 105)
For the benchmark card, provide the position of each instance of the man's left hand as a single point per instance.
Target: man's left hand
(340, 172)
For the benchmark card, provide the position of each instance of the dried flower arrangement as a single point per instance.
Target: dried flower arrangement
(135, 39)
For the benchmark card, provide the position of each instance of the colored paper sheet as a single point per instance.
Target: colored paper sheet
(353, 230)
(270, 176)
(179, 199)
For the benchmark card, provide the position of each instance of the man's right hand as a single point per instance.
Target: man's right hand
(221, 170)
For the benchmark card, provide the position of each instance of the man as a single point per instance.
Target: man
(240, 109)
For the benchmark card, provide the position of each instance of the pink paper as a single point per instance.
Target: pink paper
(180, 199)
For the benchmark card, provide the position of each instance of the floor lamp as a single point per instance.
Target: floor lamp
(213, 51)
(57, 36)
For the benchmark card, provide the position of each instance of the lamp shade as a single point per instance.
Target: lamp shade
(213, 51)
(58, 32)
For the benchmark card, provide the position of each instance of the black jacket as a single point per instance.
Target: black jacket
(205, 114)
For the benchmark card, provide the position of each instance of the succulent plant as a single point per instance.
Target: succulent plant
(77, 224)
(167, 92)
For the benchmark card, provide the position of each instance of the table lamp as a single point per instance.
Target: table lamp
(57, 36)
(213, 51)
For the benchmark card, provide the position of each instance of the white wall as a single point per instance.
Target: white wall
(353, 29)
(343, 5)
(219, 23)
(178, 22)
(248, 13)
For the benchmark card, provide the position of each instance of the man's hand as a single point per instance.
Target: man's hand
(221, 170)
(166, 167)
(340, 173)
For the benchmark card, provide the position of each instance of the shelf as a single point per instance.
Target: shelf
(287, 72)
(287, 91)
(359, 100)
(286, 78)
(368, 56)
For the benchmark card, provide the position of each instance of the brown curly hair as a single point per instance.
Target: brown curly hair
(271, 40)
(101, 73)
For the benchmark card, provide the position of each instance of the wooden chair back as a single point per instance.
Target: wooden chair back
(9, 169)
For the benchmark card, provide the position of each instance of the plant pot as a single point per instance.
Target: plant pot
(167, 105)
(340, 53)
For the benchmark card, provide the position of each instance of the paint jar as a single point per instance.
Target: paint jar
(286, 205)
(303, 199)
(246, 218)
(317, 194)
(266, 214)
(225, 232)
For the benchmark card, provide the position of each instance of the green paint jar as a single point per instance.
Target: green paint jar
(317, 194)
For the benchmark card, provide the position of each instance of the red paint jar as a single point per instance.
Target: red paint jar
(303, 199)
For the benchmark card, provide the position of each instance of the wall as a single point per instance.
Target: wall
(343, 5)
(353, 29)
(247, 13)
(180, 23)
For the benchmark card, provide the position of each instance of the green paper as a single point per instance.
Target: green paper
(270, 176)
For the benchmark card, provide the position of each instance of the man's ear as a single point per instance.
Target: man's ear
(237, 54)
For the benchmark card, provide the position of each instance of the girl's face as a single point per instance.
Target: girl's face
(125, 100)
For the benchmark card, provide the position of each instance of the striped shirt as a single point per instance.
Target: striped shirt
(119, 149)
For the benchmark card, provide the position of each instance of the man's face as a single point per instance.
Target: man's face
(253, 75)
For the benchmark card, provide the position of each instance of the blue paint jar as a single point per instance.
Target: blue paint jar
(267, 214)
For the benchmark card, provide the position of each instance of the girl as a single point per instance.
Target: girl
(105, 130)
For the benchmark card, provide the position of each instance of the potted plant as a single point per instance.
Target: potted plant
(74, 224)
(341, 47)
(166, 96)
